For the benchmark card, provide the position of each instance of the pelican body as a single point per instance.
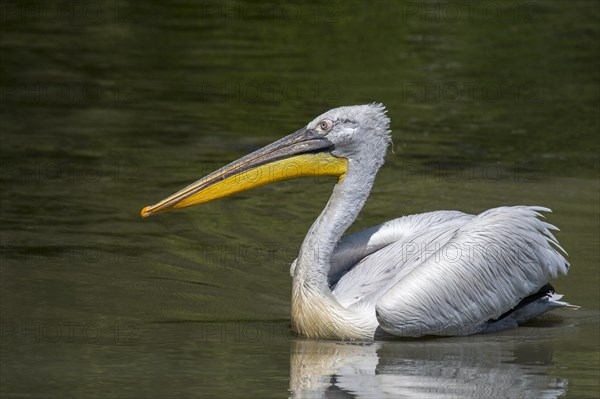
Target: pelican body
(438, 273)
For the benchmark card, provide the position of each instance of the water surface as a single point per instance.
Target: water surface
(112, 106)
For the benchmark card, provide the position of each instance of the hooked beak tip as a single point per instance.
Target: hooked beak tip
(145, 212)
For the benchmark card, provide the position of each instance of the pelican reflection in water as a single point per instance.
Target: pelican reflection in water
(462, 367)
(365, 285)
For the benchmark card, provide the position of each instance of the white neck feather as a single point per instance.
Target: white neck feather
(315, 311)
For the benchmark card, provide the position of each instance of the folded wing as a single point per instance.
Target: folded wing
(483, 270)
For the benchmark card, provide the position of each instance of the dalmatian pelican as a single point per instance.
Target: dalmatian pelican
(442, 273)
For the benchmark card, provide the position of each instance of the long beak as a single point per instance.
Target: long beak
(303, 153)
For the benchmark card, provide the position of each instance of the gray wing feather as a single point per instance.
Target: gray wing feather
(365, 278)
(484, 269)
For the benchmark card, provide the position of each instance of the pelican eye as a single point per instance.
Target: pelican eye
(325, 125)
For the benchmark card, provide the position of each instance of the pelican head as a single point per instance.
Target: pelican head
(329, 145)
(359, 133)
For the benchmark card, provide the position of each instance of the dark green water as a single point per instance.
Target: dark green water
(108, 107)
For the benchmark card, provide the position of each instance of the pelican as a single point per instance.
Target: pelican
(442, 273)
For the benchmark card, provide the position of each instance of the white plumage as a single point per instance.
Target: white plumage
(447, 272)
(437, 273)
